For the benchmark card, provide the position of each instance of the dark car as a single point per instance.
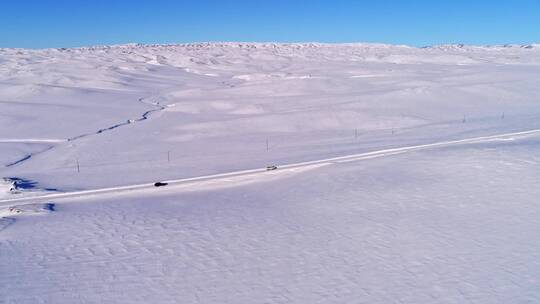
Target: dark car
(160, 184)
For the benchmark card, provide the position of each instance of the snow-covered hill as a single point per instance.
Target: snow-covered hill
(426, 217)
(145, 112)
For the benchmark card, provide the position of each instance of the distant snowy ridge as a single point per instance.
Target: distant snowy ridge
(291, 45)
(453, 47)
(307, 45)
(227, 55)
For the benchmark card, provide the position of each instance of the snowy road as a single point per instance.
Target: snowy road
(439, 225)
(231, 177)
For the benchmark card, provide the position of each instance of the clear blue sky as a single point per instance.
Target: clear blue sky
(67, 23)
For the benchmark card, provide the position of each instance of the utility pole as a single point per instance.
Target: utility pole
(78, 167)
(168, 156)
(502, 117)
(355, 133)
(267, 144)
(464, 119)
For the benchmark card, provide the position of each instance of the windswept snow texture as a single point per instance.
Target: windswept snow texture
(447, 223)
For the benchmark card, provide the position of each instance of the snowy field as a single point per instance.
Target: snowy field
(405, 175)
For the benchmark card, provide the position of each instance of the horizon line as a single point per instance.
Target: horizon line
(214, 42)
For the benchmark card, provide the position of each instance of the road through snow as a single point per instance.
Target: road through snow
(281, 168)
(401, 176)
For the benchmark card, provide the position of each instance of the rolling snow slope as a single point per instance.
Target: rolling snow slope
(210, 105)
(405, 175)
(451, 225)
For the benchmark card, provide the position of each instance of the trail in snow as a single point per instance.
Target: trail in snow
(28, 156)
(30, 140)
(287, 168)
(143, 117)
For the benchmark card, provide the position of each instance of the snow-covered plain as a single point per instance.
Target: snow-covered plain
(412, 174)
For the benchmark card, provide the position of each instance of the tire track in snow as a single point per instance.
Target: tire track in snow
(229, 177)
